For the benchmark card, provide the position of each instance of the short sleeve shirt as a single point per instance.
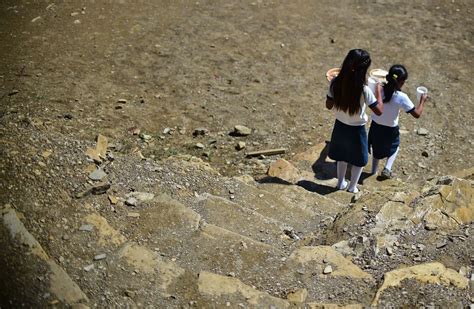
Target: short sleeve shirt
(391, 109)
(359, 119)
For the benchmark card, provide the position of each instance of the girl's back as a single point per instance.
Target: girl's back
(391, 110)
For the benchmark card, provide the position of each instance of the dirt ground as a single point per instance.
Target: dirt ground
(72, 69)
(211, 64)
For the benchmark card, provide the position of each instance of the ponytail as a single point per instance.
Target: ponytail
(396, 74)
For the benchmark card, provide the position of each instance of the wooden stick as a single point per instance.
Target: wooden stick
(267, 152)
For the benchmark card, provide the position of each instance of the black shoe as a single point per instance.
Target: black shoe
(385, 174)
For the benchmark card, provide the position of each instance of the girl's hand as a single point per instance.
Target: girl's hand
(424, 97)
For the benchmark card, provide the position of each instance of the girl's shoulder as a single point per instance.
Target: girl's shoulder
(400, 95)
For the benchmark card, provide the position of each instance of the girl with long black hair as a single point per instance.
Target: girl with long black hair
(384, 135)
(349, 96)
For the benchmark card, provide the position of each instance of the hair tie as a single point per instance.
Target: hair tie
(395, 76)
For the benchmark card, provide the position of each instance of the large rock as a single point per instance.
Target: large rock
(60, 284)
(283, 170)
(435, 273)
(452, 206)
(241, 130)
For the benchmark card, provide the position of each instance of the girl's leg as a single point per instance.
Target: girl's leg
(375, 165)
(391, 159)
(341, 175)
(356, 171)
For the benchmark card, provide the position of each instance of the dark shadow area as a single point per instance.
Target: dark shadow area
(363, 177)
(274, 180)
(381, 178)
(316, 188)
(305, 184)
(324, 170)
(24, 277)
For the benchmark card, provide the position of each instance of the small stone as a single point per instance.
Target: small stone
(130, 293)
(99, 257)
(356, 197)
(166, 131)
(145, 137)
(133, 215)
(298, 296)
(199, 146)
(86, 227)
(327, 270)
(131, 201)
(425, 154)
(241, 130)
(422, 131)
(464, 271)
(113, 199)
(141, 196)
(240, 145)
(100, 188)
(430, 226)
(200, 131)
(66, 237)
(77, 21)
(231, 274)
(36, 19)
(389, 251)
(89, 267)
(445, 180)
(74, 14)
(122, 101)
(98, 174)
(13, 92)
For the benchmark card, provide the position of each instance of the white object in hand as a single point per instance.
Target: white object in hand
(420, 91)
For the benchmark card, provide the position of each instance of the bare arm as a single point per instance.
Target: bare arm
(329, 103)
(378, 108)
(419, 109)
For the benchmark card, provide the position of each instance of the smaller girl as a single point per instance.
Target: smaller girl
(384, 135)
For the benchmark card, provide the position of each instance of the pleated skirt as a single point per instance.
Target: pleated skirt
(383, 140)
(349, 144)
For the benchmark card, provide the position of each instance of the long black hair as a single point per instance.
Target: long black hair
(397, 73)
(349, 84)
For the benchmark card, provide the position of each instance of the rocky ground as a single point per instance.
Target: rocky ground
(125, 182)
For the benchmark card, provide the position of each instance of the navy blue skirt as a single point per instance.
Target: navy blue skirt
(383, 140)
(349, 144)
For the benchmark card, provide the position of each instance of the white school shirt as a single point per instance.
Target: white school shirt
(366, 99)
(391, 109)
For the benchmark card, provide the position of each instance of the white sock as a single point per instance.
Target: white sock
(391, 159)
(341, 175)
(356, 171)
(375, 165)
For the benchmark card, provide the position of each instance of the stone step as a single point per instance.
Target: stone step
(243, 220)
(182, 235)
(318, 205)
(295, 216)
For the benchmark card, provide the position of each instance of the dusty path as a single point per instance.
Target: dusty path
(216, 64)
